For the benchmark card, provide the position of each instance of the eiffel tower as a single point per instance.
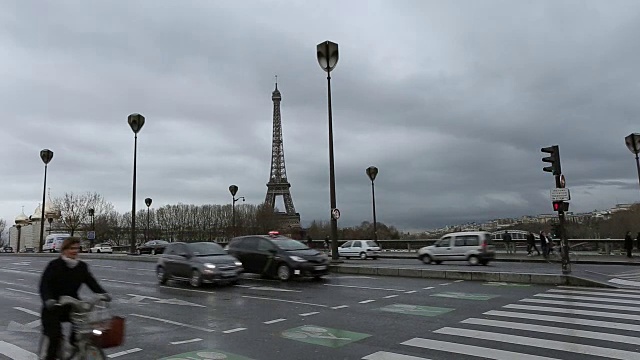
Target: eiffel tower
(278, 184)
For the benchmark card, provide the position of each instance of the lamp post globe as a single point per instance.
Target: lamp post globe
(136, 122)
(233, 189)
(327, 54)
(46, 156)
(633, 144)
(372, 172)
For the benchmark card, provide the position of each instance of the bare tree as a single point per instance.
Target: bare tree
(74, 208)
(3, 225)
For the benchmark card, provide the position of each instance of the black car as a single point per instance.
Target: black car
(197, 263)
(152, 247)
(278, 256)
(7, 249)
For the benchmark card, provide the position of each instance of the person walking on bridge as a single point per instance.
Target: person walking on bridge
(531, 244)
(628, 244)
(506, 239)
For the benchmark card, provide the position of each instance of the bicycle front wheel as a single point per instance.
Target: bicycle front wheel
(91, 352)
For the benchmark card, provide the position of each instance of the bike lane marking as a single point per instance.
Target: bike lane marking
(185, 341)
(465, 296)
(125, 352)
(209, 354)
(416, 309)
(318, 335)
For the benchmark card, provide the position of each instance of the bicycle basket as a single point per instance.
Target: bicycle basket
(112, 335)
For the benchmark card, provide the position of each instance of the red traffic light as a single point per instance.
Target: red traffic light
(557, 206)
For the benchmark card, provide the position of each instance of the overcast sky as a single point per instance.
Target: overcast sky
(452, 101)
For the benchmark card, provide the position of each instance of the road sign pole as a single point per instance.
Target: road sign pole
(564, 242)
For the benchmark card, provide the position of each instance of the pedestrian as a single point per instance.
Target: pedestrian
(543, 245)
(326, 243)
(506, 238)
(531, 244)
(309, 242)
(628, 243)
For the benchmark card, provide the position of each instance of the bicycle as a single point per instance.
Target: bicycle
(555, 254)
(89, 319)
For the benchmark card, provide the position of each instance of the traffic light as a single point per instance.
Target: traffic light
(553, 158)
(560, 206)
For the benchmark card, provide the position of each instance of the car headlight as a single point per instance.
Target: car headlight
(210, 266)
(297, 258)
(238, 263)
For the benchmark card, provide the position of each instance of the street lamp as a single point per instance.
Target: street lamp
(372, 172)
(233, 189)
(147, 202)
(327, 53)
(92, 213)
(633, 144)
(136, 121)
(46, 155)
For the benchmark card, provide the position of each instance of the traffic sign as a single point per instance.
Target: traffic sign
(91, 235)
(560, 194)
(335, 214)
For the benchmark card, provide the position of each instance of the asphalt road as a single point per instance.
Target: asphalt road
(342, 317)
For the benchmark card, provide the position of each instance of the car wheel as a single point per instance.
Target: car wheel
(98, 251)
(161, 275)
(153, 251)
(473, 260)
(363, 255)
(283, 272)
(426, 259)
(438, 262)
(196, 279)
(89, 251)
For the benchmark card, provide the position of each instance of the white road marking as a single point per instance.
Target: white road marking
(16, 353)
(428, 288)
(365, 287)
(266, 288)
(102, 266)
(310, 313)
(576, 311)
(389, 296)
(172, 322)
(598, 293)
(546, 344)
(274, 321)
(281, 300)
(461, 280)
(185, 341)
(22, 291)
(120, 281)
(625, 282)
(565, 320)
(152, 270)
(554, 330)
(365, 301)
(27, 311)
(589, 298)
(383, 355)
(471, 350)
(192, 290)
(120, 353)
(233, 330)
(411, 292)
(340, 307)
(445, 284)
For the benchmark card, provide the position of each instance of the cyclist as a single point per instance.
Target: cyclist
(63, 276)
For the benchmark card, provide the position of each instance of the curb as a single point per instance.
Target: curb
(529, 260)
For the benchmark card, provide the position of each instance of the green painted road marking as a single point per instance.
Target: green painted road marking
(328, 337)
(465, 296)
(416, 310)
(210, 354)
(496, 283)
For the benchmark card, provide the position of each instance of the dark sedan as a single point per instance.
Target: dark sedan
(197, 263)
(152, 247)
(279, 256)
(7, 249)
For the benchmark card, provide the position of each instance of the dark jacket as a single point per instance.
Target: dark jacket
(628, 242)
(58, 279)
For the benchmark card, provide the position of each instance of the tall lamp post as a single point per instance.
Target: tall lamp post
(147, 202)
(233, 189)
(136, 121)
(327, 53)
(633, 144)
(372, 172)
(92, 213)
(46, 155)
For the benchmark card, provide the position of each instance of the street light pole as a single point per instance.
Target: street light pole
(633, 144)
(147, 202)
(93, 225)
(233, 189)
(46, 155)
(136, 121)
(372, 172)
(327, 53)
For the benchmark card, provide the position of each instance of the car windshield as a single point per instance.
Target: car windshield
(206, 249)
(156, 242)
(290, 244)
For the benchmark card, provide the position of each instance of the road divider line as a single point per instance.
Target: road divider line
(27, 311)
(125, 352)
(281, 300)
(366, 301)
(365, 287)
(185, 341)
(461, 280)
(141, 269)
(445, 284)
(121, 282)
(428, 288)
(310, 313)
(103, 266)
(22, 291)
(274, 321)
(389, 296)
(411, 292)
(172, 322)
(340, 307)
(233, 330)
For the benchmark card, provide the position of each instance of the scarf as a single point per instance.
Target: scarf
(71, 263)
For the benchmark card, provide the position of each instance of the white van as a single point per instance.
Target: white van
(53, 242)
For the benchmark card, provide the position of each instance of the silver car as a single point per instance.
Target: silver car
(359, 248)
(472, 246)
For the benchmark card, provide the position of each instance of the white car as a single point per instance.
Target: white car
(472, 246)
(359, 248)
(101, 248)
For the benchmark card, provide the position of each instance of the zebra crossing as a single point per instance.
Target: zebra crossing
(560, 324)
(628, 278)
